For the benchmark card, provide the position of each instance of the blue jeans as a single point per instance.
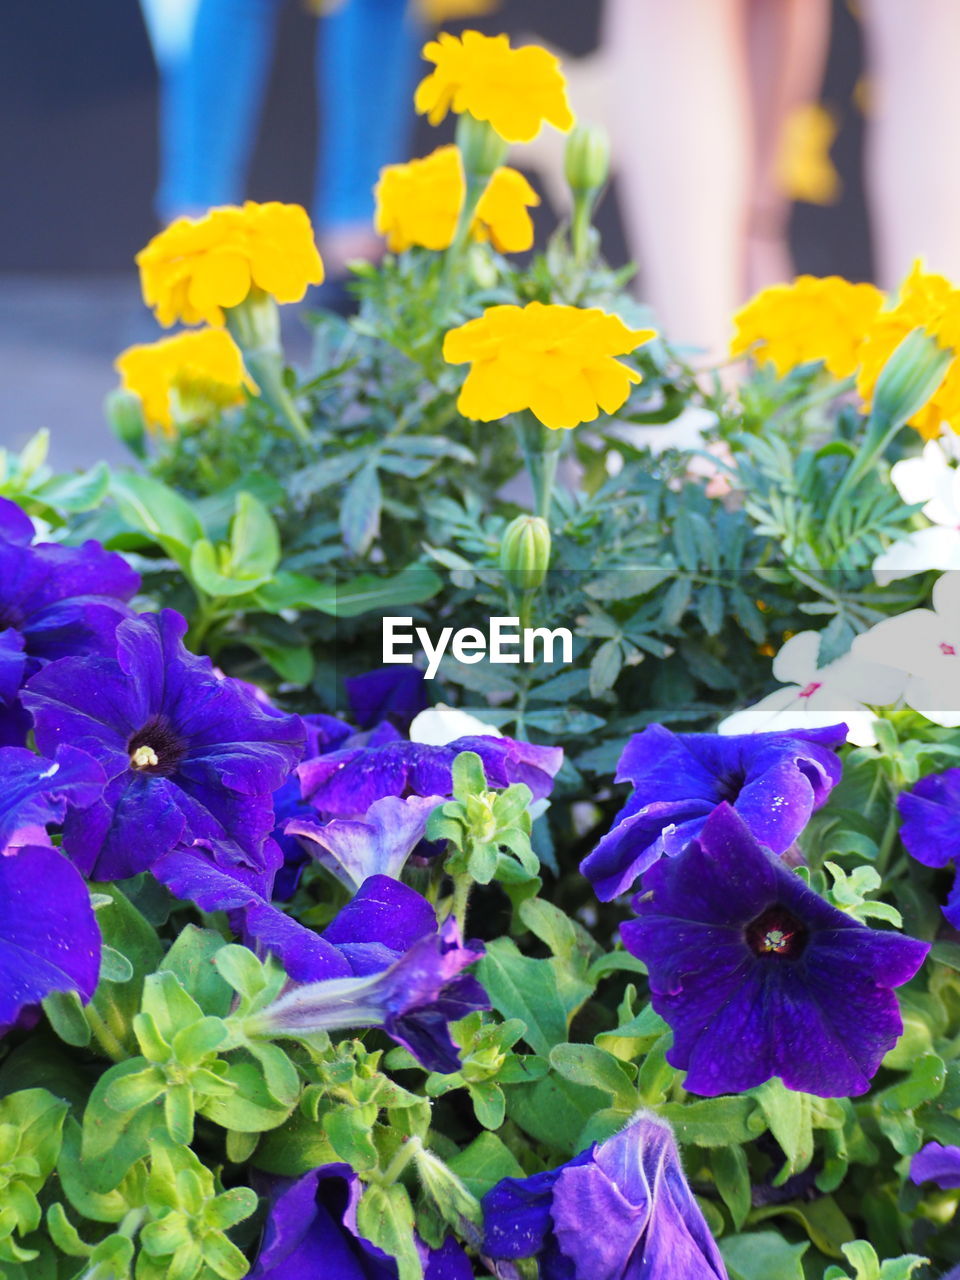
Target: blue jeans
(366, 64)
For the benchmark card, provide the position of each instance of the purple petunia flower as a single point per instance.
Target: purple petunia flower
(35, 793)
(621, 1210)
(390, 693)
(345, 783)
(936, 1163)
(413, 1000)
(931, 827)
(758, 976)
(312, 1230)
(55, 601)
(773, 780)
(187, 756)
(49, 938)
(379, 844)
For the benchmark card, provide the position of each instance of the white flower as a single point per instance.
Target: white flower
(929, 479)
(842, 691)
(442, 724)
(925, 645)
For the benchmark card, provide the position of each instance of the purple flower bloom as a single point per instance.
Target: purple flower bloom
(936, 1163)
(15, 525)
(49, 939)
(188, 757)
(773, 780)
(931, 827)
(312, 1230)
(413, 1000)
(758, 976)
(345, 783)
(55, 601)
(35, 792)
(620, 1210)
(390, 693)
(380, 844)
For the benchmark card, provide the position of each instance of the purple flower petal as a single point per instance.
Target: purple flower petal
(380, 844)
(37, 792)
(618, 1211)
(305, 956)
(15, 525)
(49, 939)
(759, 977)
(774, 780)
(188, 756)
(380, 923)
(936, 1163)
(931, 819)
(394, 693)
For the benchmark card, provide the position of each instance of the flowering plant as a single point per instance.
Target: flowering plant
(633, 965)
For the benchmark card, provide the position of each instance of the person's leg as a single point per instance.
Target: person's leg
(788, 41)
(914, 135)
(216, 100)
(682, 111)
(366, 72)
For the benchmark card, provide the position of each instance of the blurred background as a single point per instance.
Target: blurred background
(739, 129)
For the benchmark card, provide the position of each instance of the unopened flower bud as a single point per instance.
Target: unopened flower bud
(124, 412)
(587, 158)
(525, 552)
(482, 149)
(909, 378)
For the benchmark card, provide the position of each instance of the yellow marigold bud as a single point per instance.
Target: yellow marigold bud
(811, 319)
(929, 302)
(418, 203)
(557, 361)
(525, 552)
(516, 90)
(183, 378)
(196, 268)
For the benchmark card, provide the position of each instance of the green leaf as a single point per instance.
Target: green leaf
(731, 1173)
(254, 539)
(484, 1163)
(589, 1065)
(762, 1255)
(360, 510)
(205, 570)
(65, 1014)
(250, 1108)
(523, 988)
(788, 1117)
(191, 961)
(925, 1081)
(713, 1122)
(554, 1111)
(468, 776)
(158, 511)
(385, 1218)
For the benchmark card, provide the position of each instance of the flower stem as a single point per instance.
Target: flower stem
(404, 1155)
(541, 453)
(255, 327)
(107, 1039)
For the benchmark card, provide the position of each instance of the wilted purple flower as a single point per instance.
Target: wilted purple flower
(345, 783)
(620, 1210)
(413, 1000)
(188, 757)
(931, 827)
(49, 938)
(773, 780)
(312, 1230)
(758, 976)
(379, 844)
(394, 693)
(55, 601)
(35, 793)
(937, 1163)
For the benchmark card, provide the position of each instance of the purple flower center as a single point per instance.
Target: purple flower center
(778, 932)
(157, 748)
(730, 784)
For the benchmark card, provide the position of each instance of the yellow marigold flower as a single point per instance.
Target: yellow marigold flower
(557, 361)
(419, 203)
(926, 301)
(812, 319)
(196, 267)
(804, 168)
(187, 375)
(515, 90)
